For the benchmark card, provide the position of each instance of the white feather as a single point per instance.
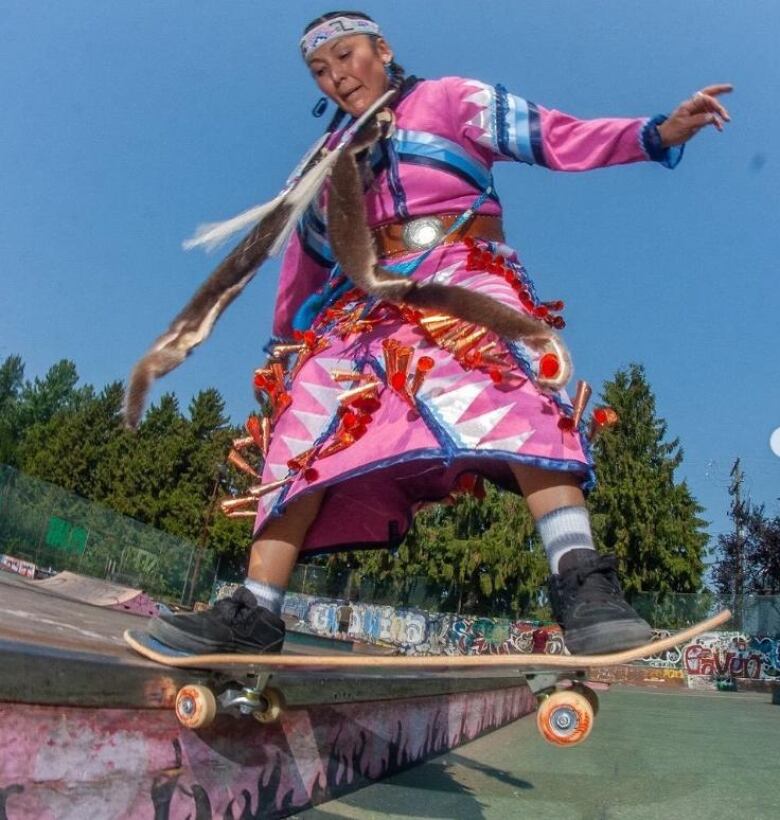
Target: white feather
(299, 192)
(213, 234)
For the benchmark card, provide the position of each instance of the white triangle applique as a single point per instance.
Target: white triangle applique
(471, 431)
(512, 444)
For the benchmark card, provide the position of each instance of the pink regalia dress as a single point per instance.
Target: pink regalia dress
(386, 408)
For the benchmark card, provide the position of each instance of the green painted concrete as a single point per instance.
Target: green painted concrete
(652, 755)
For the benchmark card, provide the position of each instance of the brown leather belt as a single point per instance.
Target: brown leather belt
(406, 237)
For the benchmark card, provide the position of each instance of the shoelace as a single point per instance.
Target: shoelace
(603, 573)
(236, 609)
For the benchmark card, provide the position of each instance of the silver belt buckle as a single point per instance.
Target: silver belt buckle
(422, 233)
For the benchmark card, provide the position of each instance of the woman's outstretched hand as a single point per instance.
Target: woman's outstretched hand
(701, 110)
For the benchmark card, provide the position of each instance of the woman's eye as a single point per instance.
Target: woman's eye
(344, 55)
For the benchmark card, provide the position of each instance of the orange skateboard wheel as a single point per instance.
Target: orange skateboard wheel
(196, 706)
(565, 718)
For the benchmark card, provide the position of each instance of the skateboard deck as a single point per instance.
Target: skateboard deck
(564, 717)
(156, 651)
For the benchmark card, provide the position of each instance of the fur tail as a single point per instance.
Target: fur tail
(197, 318)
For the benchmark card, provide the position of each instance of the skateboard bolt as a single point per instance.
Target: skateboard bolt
(187, 706)
(563, 719)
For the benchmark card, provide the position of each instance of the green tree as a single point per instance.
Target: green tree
(476, 556)
(11, 382)
(748, 556)
(67, 441)
(639, 511)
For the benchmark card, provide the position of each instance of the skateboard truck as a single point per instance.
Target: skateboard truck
(197, 706)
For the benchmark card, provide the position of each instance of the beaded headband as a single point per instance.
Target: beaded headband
(333, 29)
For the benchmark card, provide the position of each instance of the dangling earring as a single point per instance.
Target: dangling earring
(389, 73)
(319, 107)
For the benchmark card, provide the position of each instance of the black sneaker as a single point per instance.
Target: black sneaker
(589, 605)
(235, 624)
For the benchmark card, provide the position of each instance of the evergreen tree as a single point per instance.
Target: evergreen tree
(67, 441)
(11, 381)
(639, 511)
(476, 556)
(749, 555)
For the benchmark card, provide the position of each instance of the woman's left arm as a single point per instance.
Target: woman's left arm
(570, 144)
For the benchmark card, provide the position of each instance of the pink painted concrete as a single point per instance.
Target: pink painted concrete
(62, 763)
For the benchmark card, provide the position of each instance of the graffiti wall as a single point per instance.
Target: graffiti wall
(418, 632)
(711, 657)
(11, 564)
(731, 656)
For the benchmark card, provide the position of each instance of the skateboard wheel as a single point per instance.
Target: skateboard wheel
(271, 706)
(589, 694)
(565, 718)
(196, 706)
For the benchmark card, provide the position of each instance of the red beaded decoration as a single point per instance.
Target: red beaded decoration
(549, 365)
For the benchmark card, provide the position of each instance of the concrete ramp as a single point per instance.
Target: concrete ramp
(98, 592)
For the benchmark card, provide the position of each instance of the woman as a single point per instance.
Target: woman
(388, 406)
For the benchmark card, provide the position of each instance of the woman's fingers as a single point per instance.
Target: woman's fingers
(706, 102)
(718, 88)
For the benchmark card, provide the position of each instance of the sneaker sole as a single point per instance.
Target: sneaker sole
(610, 636)
(176, 638)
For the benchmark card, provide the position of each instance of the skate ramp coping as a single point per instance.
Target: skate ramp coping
(98, 592)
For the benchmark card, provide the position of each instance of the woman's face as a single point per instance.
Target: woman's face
(351, 71)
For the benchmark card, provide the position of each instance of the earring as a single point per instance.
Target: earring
(389, 73)
(319, 107)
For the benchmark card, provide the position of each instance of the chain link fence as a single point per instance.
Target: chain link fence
(58, 530)
(753, 614)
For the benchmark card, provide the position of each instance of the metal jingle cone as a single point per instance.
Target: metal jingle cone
(241, 514)
(390, 353)
(456, 334)
(278, 374)
(485, 349)
(241, 464)
(581, 399)
(438, 323)
(403, 358)
(346, 376)
(303, 459)
(265, 434)
(424, 366)
(243, 443)
(462, 345)
(356, 392)
(231, 504)
(285, 350)
(263, 489)
(281, 402)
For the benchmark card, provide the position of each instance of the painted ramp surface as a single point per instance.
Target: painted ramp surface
(98, 592)
(88, 730)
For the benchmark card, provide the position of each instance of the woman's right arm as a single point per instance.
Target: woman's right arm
(306, 265)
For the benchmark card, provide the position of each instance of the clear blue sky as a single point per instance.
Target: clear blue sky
(124, 125)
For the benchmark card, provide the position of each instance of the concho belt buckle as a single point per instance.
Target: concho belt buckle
(423, 233)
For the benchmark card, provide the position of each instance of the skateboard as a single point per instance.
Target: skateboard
(567, 706)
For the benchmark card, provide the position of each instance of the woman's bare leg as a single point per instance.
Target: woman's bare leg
(547, 490)
(229, 628)
(275, 552)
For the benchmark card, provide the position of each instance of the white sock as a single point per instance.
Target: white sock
(564, 530)
(267, 595)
